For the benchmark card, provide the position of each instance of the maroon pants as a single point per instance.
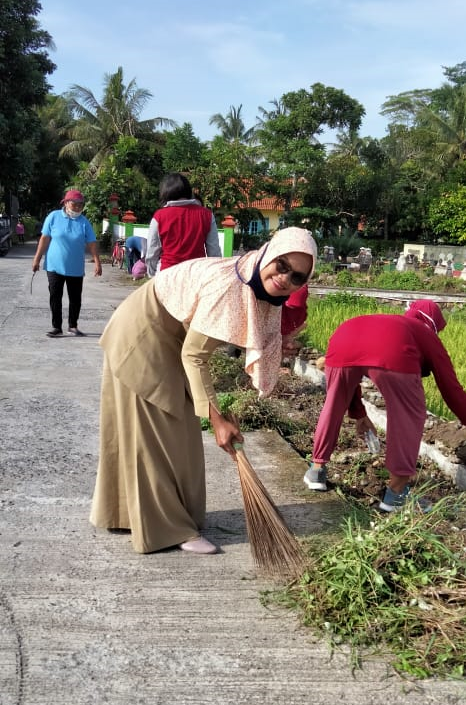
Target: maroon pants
(405, 406)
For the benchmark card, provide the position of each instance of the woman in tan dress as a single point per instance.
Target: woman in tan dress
(156, 384)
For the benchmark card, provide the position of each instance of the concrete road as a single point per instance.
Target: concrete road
(83, 619)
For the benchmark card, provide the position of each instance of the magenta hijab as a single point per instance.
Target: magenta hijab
(428, 312)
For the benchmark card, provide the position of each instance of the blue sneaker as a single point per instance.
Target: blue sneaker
(393, 501)
(316, 478)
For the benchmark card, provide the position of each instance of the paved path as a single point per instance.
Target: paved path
(86, 621)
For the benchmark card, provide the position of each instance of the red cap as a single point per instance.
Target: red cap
(73, 195)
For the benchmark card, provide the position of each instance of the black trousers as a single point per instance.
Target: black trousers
(74, 287)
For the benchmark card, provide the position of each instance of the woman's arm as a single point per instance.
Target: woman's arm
(95, 256)
(196, 352)
(212, 245)
(42, 248)
(143, 247)
(154, 248)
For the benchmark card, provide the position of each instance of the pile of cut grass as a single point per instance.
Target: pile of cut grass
(395, 585)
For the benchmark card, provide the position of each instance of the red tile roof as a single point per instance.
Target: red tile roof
(270, 203)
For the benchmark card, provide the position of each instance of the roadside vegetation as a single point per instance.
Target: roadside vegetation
(380, 276)
(391, 585)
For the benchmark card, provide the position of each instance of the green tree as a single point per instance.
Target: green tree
(232, 127)
(99, 125)
(122, 172)
(51, 174)
(289, 135)
(448, 127)
(434, 122)
(230, 177)
(447, 216)
(24, 67)
(265, 115)
(426, 147)
(183, 151)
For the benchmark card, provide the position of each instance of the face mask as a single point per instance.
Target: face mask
(71, 213)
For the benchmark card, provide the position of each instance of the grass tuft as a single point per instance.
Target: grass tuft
(394, 583)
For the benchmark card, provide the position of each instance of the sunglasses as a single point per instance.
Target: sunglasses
(296, 278)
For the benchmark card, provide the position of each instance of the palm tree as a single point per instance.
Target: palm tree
(348, 144)
(448, 126)
(232, 127)
(99, 125)
(278, 109)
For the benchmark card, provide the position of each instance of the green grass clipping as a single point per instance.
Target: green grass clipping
(391, 584)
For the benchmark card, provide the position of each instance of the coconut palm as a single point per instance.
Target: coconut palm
(448, 126)
(232, 127)
(277, 110)
(99, 125)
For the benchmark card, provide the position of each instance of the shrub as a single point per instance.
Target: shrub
(399, 281)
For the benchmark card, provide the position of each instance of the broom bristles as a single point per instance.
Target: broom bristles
(274, 548)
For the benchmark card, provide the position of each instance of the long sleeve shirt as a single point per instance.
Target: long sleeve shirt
(400, 344)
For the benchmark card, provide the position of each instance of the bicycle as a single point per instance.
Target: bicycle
(118, 254)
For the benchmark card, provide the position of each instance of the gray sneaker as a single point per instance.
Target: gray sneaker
(316, 478)
(393, 501)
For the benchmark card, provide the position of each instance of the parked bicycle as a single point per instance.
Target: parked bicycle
(118, 254)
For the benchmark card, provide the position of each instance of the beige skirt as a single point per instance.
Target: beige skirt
(151, 474)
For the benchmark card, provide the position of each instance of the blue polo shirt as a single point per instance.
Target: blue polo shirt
(67, 248)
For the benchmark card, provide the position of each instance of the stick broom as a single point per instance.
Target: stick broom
(275, 550)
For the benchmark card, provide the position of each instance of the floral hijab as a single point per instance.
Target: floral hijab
(211, 296)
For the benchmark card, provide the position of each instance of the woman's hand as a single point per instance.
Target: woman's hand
(290, 346)
(227, 431)
(363, 425)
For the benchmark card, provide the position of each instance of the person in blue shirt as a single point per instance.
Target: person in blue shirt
(66, 234)
(136, 247)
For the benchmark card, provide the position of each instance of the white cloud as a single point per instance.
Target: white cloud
(198, 60)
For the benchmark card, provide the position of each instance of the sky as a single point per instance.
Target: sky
(199, 58)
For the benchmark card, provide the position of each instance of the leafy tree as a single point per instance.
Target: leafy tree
(24, 66)
(183, 151)
(456, 74)
(51, 174)
(265, 115)
(447, 216)
(316, 218)
(435, 122)
(348, 182)
(426, 147)
(289, 134)
(230, 177)
(448, 127)
(121, 173)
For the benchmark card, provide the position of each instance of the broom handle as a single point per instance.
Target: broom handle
(238, 447)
